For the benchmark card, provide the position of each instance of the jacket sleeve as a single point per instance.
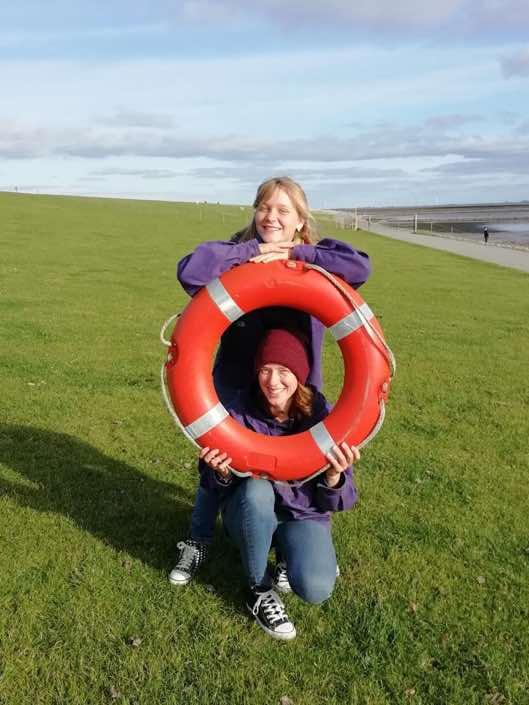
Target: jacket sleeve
(343, 496)
(209, 479)
(210, 260)
(339, 498)
(336, 257)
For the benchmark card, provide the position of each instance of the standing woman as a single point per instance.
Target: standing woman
(282, 228)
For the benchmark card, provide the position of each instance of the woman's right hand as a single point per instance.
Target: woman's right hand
(216, 460)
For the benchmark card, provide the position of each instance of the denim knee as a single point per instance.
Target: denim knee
(314, 589)
(258, 495)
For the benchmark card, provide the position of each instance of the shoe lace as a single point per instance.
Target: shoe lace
(281, 572)
(272, 606)
(188, 554)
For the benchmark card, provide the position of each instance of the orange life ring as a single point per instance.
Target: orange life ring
(357, 414)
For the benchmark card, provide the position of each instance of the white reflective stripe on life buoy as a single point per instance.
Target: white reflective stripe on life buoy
(322, 437)
(351, 322)
(221, 297)
(207, 421)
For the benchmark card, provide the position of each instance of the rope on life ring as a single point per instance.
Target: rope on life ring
(187, 383)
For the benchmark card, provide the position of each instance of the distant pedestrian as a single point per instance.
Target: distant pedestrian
(485, 234)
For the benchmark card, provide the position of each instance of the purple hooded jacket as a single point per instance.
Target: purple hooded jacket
(234, 364)
(312, 499)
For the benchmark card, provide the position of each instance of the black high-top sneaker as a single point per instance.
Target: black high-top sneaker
(280, 580)
(270, 613)
(191, 555)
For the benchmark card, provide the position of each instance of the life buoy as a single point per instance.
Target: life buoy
(357, 414)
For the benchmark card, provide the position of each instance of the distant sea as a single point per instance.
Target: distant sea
(508, 224)
(513, 233)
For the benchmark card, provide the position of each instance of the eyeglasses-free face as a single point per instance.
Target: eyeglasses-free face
(276, 218)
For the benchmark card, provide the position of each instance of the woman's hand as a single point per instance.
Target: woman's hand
(270, 251)
(216, 460)
(340, 458)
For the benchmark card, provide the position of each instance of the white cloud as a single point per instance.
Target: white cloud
(516, 64)
(497, 15)
(133, 118)
(449, 122)
(362, 117)
(306, 12)
(385, 142)
(492, 166)
(523, 127)
(143, 173)
(251, 175)
(409, 17)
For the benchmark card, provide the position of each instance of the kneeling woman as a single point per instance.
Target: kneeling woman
(294, 518)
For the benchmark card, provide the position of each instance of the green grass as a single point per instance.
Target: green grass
(96, 484)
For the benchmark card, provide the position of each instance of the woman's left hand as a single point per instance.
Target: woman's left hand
(340, 458)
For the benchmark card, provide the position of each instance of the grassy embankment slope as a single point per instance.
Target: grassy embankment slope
(96, 484)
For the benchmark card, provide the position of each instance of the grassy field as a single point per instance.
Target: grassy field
(96, 484)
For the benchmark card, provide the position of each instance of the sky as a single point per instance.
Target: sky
(364, 102)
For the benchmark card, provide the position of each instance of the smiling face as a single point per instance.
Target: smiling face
(276, 217)
(278, 384)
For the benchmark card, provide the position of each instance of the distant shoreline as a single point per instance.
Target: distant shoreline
(512, 245)
(508, 225)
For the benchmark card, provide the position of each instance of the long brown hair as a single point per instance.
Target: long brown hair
(308, 233)
(302, 403)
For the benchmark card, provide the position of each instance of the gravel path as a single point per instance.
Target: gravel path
(504, 256)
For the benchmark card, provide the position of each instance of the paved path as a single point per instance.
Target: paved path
(504, 256)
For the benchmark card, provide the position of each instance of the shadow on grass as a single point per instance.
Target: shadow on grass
(113, 501)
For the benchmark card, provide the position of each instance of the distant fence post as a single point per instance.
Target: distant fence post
(356, 218)
(415, 223)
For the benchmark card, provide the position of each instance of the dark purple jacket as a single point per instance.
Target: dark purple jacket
(308, 500)
(234, 365)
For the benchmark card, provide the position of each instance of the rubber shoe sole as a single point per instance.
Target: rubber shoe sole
(282, 636)
(177, 578)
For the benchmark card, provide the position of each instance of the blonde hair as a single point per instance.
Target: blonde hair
(308, 234)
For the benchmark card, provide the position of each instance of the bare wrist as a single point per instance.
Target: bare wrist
(332, 479)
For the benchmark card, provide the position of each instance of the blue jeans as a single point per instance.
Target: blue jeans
(306, 545)
(206, 506)
(204, 515)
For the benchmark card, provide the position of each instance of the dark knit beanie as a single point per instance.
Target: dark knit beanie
(283, 348)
